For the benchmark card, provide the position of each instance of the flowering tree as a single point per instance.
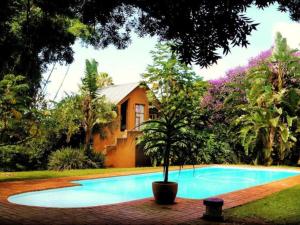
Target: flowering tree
(228, 90)
(260, 101)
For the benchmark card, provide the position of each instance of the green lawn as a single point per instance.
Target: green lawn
(279, 208)
(28, 175)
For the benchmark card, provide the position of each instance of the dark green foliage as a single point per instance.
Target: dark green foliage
(65, 118)
(23, 157)
(95, 109)
(98, 158)
(40, 130)
(32, 37)
(216, 150)
(37, 33)
(17, 120)
(68, 158)
(13, 158)
(255, 108)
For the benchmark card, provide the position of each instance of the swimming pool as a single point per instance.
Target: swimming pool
(196, 184)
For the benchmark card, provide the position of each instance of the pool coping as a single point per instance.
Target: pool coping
(232, 199)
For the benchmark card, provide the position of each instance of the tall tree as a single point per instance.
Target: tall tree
(270, 119)
(95, 108)
(104, 80)
(175, 91)
(35, 33)
(17, 120)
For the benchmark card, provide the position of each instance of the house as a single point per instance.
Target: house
(119, 142)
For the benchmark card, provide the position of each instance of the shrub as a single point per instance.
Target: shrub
(215, 150)
(38, 152)
(220, 151)
(14, 158)
(67, 159)
(32, 155)
(98, 159)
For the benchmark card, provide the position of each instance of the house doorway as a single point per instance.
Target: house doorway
(140, 158)
(123, 125)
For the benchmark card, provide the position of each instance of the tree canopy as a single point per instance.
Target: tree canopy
(35, 33)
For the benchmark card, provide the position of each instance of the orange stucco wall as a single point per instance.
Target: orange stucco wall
(137, 96)
(123, 155)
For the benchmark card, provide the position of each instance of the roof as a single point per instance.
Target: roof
(116, 93)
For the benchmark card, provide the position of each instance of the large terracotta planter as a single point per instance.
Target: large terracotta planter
(164, 192)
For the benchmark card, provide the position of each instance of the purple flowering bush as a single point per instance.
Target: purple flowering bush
(219, 111)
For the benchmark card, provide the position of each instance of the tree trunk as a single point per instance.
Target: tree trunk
(87, 140)
(167, 162)
(88, 125)
(269, 147)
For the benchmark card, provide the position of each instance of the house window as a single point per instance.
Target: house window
(153, 113)
(139, 115)
(124, 116)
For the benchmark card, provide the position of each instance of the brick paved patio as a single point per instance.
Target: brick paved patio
(137, 212)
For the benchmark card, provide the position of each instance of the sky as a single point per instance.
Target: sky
(126, 66)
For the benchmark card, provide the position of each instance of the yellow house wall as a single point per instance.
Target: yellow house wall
(124, 154)
(137, 96)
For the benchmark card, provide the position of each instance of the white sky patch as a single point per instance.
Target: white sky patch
(291, 31)
(240, 56)
(124, 66)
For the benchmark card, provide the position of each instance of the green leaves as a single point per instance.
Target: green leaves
(176, 93)
(269, 121)
(274, 121)
(89, 81)
(290, 120)
(17, 119)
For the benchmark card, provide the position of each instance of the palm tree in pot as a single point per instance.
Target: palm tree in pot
(175, 92)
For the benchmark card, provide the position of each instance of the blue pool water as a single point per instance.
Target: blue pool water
(196, 184)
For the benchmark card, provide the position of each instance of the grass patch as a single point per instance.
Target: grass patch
(279, 208)
(30, 175)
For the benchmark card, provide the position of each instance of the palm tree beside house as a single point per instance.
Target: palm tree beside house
(96, 109)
